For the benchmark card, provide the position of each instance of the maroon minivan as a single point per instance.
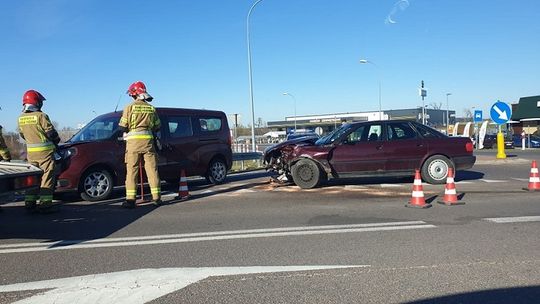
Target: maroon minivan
(198, 141)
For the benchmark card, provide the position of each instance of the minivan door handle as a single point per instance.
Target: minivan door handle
(169, 147)
(208, 139)
(379, 147)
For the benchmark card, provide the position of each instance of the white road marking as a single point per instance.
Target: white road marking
(521, 179)
(355, 187)
(494, 181)
(210, 236)
(137, 286)
(391, 186)
(244, 191)
(464, 182)
(516, 219)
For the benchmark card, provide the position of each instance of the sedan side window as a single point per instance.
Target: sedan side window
(180, 126)
(356, 135)
(400, 131)
(365, 133)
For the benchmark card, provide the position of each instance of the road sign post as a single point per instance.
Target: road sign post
(500, 113)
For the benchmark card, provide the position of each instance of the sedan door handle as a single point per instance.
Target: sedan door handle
(420, 145)
(379, 147)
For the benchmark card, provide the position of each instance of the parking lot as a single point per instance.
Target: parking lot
(349, 241)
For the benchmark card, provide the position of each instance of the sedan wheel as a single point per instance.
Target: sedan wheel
(306, 174)
(96, 185)
(435, 169)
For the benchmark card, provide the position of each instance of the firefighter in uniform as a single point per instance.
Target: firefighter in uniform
(41, 139)
(141, 123)
(4, 151)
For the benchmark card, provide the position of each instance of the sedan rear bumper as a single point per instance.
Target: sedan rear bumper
(464, 162)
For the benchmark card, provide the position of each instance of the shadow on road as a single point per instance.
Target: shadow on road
(78, 220)
(71, 222)
(468, 175)
(514, 295)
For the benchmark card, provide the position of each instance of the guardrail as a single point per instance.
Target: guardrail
(247, 161)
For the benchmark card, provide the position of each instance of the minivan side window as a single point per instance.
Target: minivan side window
(209, 124)
(179, 126)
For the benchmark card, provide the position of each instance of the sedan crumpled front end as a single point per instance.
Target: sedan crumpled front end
(277, 158)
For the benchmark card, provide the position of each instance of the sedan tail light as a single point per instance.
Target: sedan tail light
(469, 147)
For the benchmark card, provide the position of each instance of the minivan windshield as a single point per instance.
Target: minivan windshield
(97, 129)
(333, 136)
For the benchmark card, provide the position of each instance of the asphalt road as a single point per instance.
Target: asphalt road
(253, 241)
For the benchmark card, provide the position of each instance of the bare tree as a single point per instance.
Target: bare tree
(467, 113)
(436, 105)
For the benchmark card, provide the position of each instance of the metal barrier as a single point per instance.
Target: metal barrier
(248, 156)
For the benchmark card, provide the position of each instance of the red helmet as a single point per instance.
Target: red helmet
(136, 88)
(32, 97)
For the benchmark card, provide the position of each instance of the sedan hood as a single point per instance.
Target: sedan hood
(308, 140)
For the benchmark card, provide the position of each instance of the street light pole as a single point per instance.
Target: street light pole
(364, 61)
(250, 76)
(294, 99)
(447, 114)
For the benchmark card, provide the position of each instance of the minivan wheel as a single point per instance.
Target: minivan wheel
(435, 169)
(96, 185)
(306, 174)
(217, 172)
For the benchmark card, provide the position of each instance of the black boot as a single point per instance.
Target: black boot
(158, 202)
(129, 204)
(30, 206)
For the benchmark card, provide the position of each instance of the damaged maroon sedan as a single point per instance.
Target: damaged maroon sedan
(376, 148)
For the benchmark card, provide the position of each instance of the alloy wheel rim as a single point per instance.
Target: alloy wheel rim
(218, 170)
(96, 184)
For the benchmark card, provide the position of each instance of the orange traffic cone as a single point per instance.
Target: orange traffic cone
(417, 199)
(183, 192)
(450, 195)
(534, 179)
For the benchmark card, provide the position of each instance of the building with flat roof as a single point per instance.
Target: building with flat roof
(323, 123)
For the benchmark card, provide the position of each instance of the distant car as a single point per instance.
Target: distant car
(303, 134)
(508, 143)
(531, 141)
(393, 148)
(490, 141)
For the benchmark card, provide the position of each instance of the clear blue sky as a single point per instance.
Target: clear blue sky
(83, 54)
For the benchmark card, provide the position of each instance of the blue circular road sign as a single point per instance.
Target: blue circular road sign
(500, 112)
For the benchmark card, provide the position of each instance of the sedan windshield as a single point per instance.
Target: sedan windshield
(333, 136)
(97, 129)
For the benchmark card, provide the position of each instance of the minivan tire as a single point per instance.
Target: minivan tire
(435, 169)
(96, 185)
(217, 171)
(306, 174)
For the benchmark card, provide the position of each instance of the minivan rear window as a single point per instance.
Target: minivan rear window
(209, 124)
(179, 126)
